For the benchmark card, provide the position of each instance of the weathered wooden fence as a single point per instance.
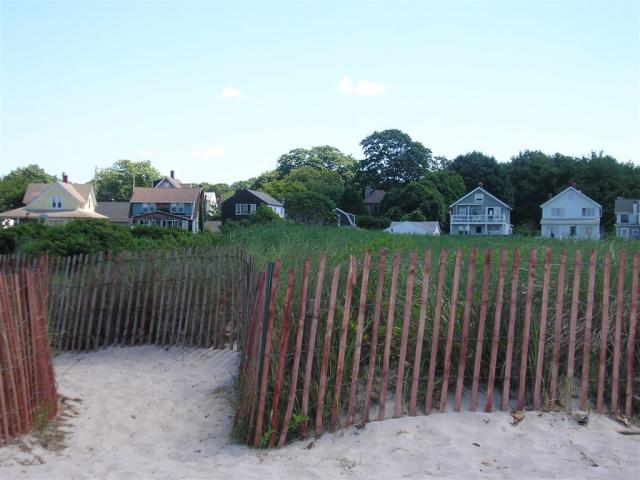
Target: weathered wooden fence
(190, 297)
(27, 385)
(485, 331)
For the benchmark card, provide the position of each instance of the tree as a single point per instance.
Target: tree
(325, 182)
(448, 183)
(476, 167)
(14, 184)
(352, 202)
(414, 197)
(264, 214)
(321, 158)
(283, 189)
(116, 182)
(265, 177)
(311, 208)
(392, 159)
(222, 190)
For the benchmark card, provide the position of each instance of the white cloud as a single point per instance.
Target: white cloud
(142, 152)
(212, 151)
(232, 93)
(364, 88)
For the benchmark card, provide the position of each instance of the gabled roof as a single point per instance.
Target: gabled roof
(265, 197)
(165, 195)
(375, 197)
(22, 212)
(80, 191)
(174, 182)
(483, 191)
(115, 211)
(430, 226)
(625, 205)
(565, 191)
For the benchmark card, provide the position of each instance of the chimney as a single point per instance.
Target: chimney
(172, 174)
(480, 184)
(573, 184)
(65, 177)
(550, 196)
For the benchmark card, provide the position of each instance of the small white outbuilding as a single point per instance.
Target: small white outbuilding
(414, 228)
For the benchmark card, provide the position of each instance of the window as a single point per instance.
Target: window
(588, 212)
(145, 207)
(572, 231)
(479, 197)
(245, 208)
(174, 207)
(181, 208)
(624, 218)
(478, 229)
(56, 202)
(557, 212)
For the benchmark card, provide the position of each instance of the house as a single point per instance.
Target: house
(210, 202)
(56, 203)
(245, 202)
(172, 182)
(116, 212)
(571, 214)
(627, 218)
(414, 228)
(345, 219)
(480, 213)
(176, 207)
(373, 200)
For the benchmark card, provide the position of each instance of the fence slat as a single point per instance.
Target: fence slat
(526, 328)
(588, 317)
(326, 350)
(435, 332)
(453, 310)
(555, 354)
(466, 319)
(604, 331)
(617, 339)
(631, 341)
(373, 350)
(362, 306)
(388, 336)
(513, 311)
(495, 336)
(573, 320)
(484, 305)
(542, 335)
(424, 298)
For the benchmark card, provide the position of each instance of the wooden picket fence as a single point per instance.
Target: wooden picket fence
(550, 331)
(27, 385)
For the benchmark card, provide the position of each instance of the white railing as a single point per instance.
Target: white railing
(478, 218)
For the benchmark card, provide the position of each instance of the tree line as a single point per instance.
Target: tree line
(419, 186)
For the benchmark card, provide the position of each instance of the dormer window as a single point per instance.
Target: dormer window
(479, 197)
(56, 202)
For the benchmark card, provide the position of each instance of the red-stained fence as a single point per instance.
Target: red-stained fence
(445, 330)
(27, 384)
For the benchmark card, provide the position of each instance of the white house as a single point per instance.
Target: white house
(571, 214)
(480, 213)
(628, 218)
(414, 228)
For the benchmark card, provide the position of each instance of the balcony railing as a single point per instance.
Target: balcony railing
(479, 218)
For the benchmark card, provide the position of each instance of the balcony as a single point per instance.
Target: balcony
(482, 219)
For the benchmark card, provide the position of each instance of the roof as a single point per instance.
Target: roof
(174, 182)
(625, 205)
(430, 226)
(114, 211)
(80, 191)
(565, 191)
(265, 197)
(22, 212)
(165, 195)
(483, 191)
(375, 197)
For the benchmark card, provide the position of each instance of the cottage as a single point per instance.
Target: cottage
(175, 207)
(414, 228)
(571, 214)
(373, 200)
(56, 203)
(245, 202)
(480, 213)
(627, 212)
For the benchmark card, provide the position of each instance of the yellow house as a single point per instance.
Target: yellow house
(56, 203)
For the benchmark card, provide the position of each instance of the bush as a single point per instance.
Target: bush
(7, 242)
(373, 223)
(264, 214)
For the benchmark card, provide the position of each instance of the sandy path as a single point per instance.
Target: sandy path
(149, 413)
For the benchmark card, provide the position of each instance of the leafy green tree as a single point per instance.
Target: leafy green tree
(222, 190)
(282, 189)
(321, 158)
(259, 182)
(14, 184)
(264, 214)
(116, 182)
(406, 200)
(311, 208)
(325, 182)
(476, 167)
(351, 201)
(448, 183)
(393, 159)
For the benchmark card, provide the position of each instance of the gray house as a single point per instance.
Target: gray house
(480, 213)
(628, 218)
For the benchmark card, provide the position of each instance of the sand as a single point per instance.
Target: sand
(146, 412)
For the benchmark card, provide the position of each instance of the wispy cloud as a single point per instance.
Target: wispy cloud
(232, 93)
(363, 88)
(212, 151)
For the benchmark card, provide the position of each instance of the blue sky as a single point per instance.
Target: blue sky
(217, 91)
